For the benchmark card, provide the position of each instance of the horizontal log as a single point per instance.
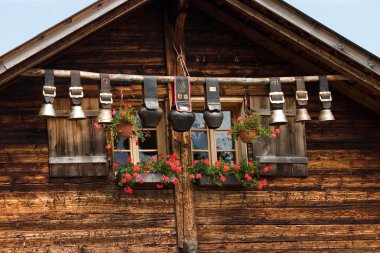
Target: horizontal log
(77, 159)
(281, 159)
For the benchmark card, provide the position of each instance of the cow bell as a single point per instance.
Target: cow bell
(302, 115)
(77, 112)
(277, 117)
(150, 118)
(105, 116)
(47, 110)
(181, 121)
(326, 115)
(213, 119)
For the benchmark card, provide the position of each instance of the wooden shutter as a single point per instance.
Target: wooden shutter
(287, 153)
(76, 149)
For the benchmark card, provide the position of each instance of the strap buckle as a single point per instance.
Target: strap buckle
(302, 93)
(325, 93)
(71, 89)
(49, 88)
(106, 98)
(281, 101)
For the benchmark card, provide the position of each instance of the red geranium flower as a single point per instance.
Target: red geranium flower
(266, 169)
(159, 186)
(223, 178)
(206, 161)
(124, 181)
(115, 165)
(153, 159)
(192, 176)
(128, 190)
(129, 160)
(175, 181)
(278, 131)
(108, 146)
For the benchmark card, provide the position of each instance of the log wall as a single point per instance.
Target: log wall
(335, 209)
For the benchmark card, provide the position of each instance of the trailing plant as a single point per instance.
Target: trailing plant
(128, 173)
(246, 172)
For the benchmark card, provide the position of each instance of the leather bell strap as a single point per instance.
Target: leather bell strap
(213, 95)
(76, 90)
(182, 98)
(276, 96)
(49, 90)
(150, 93)
(105, 96)
(301, 93)
(324, 93)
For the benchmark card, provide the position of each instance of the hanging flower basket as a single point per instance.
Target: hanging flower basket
(248, 137)
(125, 130)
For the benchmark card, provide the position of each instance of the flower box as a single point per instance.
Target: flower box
(207, 180)
(152, 177)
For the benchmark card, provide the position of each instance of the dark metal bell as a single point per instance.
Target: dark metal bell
(150, 118)
(213, 119)
(181, 121)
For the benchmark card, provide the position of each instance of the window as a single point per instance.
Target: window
(213, 144)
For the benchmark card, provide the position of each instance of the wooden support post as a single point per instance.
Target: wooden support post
(175, 16)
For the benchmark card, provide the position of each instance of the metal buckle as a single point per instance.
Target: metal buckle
(302, 92)
(327, 93)
(49, 88)
(73, 95)
(276, 101)
(109, 95)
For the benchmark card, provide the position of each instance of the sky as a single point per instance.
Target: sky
(357, 20)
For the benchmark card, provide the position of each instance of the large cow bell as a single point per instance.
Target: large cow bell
(277, 117)
(47, 110)
(326, 115)
(181, 121)
(213, 119)
(302, 115)
(150, 118)
(105, 116)
(76, 112)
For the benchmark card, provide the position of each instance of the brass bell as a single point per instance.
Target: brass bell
(277, 117)
(77, 112)
(302, 115)
(326, 115)
(105, 116)
(47, 110)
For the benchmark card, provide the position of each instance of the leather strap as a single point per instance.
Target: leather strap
(213, 95)
(76, 90)
(324, 93)
(49, 90)
(276, 95)
(150, 93)
(301, 93)
(182, 93)
(105, 97)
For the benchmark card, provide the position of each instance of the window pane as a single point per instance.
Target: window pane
(144, 156)
(226, 156)
(226, 123)
(121, 156)
(139, 124)
(199, 140)
(223, 141)
(123, 143)
(200, 155)
(199, 122)
(150, 140)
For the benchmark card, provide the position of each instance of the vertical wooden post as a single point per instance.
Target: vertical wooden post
(175, 16)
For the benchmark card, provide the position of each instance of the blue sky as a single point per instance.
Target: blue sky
(357, 20)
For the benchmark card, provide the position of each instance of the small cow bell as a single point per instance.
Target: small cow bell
(302, 115)
(326, 115)
(181, 121)
(150, 118)
(105, 116)
(77, 112)
(213, 119)
(47, 110)
(277, 117)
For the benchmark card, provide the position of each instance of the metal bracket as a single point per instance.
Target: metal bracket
(105, 96)
(46, 88)
(276, 101)
(76, 89)
(302, 92)
(325, 93)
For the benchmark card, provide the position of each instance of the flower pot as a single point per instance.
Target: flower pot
(124, 130)
(250, 137)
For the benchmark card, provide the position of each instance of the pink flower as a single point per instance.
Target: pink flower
(141, 181)
(273, 136)
(129, 105)
(206, 161)
(136, 168)
(250, 163)
(226, 168)
(136, 174)
(129, 160)
(266, 169)
(124, 181)
(115, 165)
(145, 172)
(128, 190)
(108, 146)
(236, 167)
(113, 112)
(165, 178)
(264, 181)
(153, 159)
(96, 126)
(128, 177)
(160, 155)
(260, 187)
(195, 162)
(159, 186)
(223, 178)
(272, 129)
(174, 156)
(278, 131)
(175, 180)
(252, 172)
(198, 176)
(192, 176)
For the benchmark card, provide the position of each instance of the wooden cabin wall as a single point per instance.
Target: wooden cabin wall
(41, 214)
(335, 209)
